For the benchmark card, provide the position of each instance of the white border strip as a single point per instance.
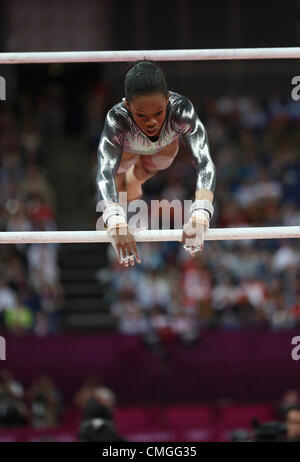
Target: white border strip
(154, 55)
(217, 234)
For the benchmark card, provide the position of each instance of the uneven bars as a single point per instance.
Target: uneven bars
(217, 234)
(154, 55)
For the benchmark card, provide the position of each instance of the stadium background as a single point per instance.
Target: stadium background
(179, 349)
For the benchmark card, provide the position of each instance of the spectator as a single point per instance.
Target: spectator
(45, 403)
(8, 299)
(97, 424)
(97, 417)
(290, 399)
(13, 410)
(86, 391)
(19, 318)
(293, 424)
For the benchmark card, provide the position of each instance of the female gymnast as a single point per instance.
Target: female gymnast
(140, 137)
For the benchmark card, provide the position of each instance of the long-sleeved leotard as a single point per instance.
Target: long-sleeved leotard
(121, 134)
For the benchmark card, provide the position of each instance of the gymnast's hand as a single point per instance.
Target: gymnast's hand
(124, 244)
(193, 233)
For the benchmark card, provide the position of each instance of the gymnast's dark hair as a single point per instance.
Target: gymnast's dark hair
(144, 78)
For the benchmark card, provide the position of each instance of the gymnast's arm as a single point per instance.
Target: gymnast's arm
(194, 134)
(109, 157)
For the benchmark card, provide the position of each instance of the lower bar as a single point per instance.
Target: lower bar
(217, 234)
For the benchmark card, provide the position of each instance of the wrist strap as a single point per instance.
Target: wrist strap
(111, 210)
(115, 220)
(203, 204)
(112, 230)
(201, 216)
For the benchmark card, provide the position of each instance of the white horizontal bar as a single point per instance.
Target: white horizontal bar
(154, 55)
(217, 234)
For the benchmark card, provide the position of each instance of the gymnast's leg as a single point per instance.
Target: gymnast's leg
(146, 167)
(135, 176)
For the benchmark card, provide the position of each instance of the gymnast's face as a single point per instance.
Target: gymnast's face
(149, 112)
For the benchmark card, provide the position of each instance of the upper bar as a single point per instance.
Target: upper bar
(217, 234)
(154, 55)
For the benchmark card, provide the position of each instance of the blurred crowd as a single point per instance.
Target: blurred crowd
(230, 284)
(30, 292)
(41, 406)
(285, 429)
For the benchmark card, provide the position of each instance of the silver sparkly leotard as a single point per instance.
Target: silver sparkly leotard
(121, 133)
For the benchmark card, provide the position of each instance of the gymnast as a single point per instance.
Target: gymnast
(140, 137)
